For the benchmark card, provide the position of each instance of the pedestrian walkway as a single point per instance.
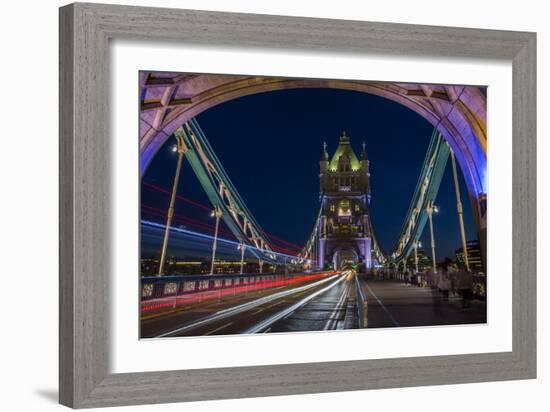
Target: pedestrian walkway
(396, 304)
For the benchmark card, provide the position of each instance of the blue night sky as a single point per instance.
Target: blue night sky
(270, 146)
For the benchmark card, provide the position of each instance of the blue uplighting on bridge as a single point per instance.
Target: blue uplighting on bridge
(210, 238)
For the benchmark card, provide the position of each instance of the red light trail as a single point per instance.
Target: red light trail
(202, 225)
(154, 304)
(205, 207)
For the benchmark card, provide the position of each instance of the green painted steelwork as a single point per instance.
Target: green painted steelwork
(425, 192)
(223, 195)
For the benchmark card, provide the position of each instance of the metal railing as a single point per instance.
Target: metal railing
(159, 294)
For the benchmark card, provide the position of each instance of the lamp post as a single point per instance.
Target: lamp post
(242, 247)
(415, 249)
(431, 208)
(460, 214)
(217, 213)
(181, 148)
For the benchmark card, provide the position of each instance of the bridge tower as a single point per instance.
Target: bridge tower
(345, 235)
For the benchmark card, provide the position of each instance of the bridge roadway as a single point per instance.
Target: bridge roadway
(328, 303)
(325, 302)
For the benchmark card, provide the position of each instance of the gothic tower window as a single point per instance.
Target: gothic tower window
(344, 208)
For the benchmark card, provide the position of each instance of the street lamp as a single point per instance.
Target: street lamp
(242, 248)
(430, 209)
(416, 245)
(217, 213)
(181, 148)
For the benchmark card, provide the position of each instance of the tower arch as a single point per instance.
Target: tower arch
(459, 112)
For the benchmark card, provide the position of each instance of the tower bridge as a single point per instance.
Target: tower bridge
(345, 198)
(457, 112)
(341, 267)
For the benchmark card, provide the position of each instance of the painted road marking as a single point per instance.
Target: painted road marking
(274, 318)
(218, 329)
(395, 322)
(335, 313)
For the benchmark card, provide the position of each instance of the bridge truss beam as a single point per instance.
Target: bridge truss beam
(422, 203)
(226, 201)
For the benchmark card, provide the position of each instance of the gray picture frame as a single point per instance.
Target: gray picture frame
(85, 32)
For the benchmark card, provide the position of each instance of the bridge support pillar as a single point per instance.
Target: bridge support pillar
(367, 246)
(321, 255)
(459, 210)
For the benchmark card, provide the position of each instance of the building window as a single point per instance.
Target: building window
(170, 288)
(147, 290)
(344, 208)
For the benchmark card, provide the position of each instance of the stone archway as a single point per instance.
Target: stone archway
(344, 257)
(459, 112)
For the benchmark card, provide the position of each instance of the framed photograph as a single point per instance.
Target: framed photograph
(260, 205)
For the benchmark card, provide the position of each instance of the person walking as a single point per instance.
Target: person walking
(465, 286)
(444, 285)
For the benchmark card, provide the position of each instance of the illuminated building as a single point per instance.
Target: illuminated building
(344, 223)
(424, 261)
(189, 266)
(474, 256)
